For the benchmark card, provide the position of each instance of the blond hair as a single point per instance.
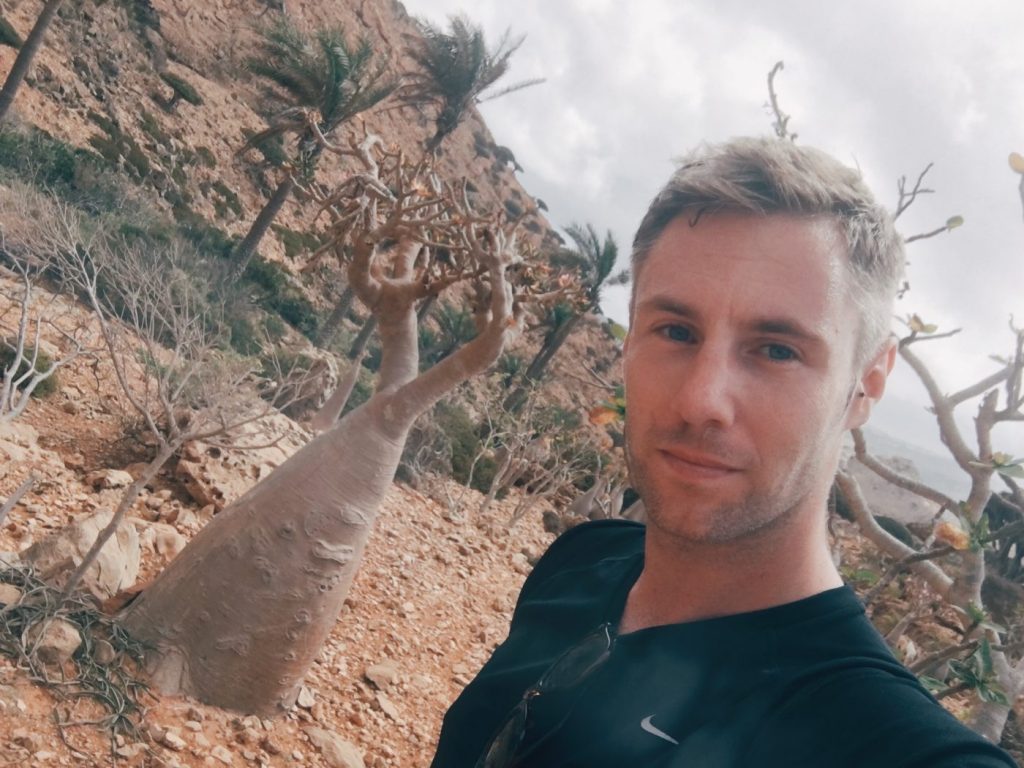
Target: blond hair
(769, 175)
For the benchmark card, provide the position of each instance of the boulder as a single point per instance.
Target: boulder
(161, 538)
(382, 675)
(116, 568)
(215, 476)
(109, 478)
(336, 752)
(9, 595)
(54, 640)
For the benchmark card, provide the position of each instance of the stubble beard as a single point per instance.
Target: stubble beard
(691, 521)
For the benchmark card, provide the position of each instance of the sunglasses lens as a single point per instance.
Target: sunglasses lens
(505, 744)
(577, 663)
(568, 671)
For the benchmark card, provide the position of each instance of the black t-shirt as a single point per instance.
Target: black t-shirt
(807, 684)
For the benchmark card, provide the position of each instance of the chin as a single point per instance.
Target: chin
(740, 523)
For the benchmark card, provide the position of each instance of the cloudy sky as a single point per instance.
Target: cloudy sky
(887, 86)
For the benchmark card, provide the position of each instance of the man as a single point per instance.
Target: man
(721, 633)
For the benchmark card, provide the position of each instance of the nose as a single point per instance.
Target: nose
(705, 388)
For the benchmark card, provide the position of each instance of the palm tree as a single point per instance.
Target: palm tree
(25, 55)
(594, 262)
(315, 85)
(456, 68)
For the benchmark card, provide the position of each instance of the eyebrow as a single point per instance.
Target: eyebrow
(777, 326)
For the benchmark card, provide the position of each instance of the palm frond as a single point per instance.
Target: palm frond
(454, 69)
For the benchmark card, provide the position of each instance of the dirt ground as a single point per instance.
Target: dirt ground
(433, 597)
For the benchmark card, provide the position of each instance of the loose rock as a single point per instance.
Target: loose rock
(337, 752)
(54, 640)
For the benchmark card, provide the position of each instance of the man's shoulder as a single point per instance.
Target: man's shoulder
(589, 543)
(587, 546)
(870, 716)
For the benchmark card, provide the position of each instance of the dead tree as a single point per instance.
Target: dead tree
(161, 339)
(27, 314)
(239, 616)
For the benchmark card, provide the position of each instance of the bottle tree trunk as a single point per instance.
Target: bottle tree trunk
(23, 61)
(238, 617)
(245, 250)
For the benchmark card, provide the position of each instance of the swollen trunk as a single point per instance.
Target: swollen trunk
(238, 617)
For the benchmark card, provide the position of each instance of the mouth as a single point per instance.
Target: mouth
(693, 465)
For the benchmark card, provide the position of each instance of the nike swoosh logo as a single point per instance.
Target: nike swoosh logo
(654, 731)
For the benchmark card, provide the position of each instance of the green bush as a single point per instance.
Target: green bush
(280, 295)
(464, 437)
(37, 158)
(116, 146)
(274, 328)
(243, 337)
(296, 243)
(42, 362)
(225, 200)
(206, 157)
(151, 127)
(183, 90)
(205, 237)
(9, 35)
(272, 149)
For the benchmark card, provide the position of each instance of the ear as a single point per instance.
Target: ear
(871, 386)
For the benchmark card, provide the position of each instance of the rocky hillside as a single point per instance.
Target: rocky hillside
(435, 592)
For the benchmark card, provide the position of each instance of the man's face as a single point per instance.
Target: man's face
(739, 369)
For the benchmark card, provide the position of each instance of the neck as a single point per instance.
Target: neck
(688, 581)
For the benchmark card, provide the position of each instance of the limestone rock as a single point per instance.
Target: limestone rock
(161, 538)
(884, 498)
(214, 476)
(223, 754)
(305, 699)
(337, 752)
(9, 595)
(55, 640)
(116, 568)
(382, 675)
(109, 478)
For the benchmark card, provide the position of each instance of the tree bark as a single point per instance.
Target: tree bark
(23, 61)
(363, 337)
(329, 412)
(238, 617)
(515, 399)
(335, 319)
(244, 251)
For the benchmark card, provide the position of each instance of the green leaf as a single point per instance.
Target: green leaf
(954, 221)
(992, 694)
(1015, 471)
(917, 325)
(617, 331)
(984, 654)
(932, 684)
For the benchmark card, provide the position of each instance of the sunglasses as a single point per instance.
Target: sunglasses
(566, 672)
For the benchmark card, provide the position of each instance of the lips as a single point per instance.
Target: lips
(694, 465)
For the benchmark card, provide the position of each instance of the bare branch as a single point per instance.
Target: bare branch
(906, 198)
(943, 408)
(900, 481)
(781, 124)
(15, 497)
(892, 546)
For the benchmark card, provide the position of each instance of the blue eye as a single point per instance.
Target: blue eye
(678, 333)
(779, 352)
